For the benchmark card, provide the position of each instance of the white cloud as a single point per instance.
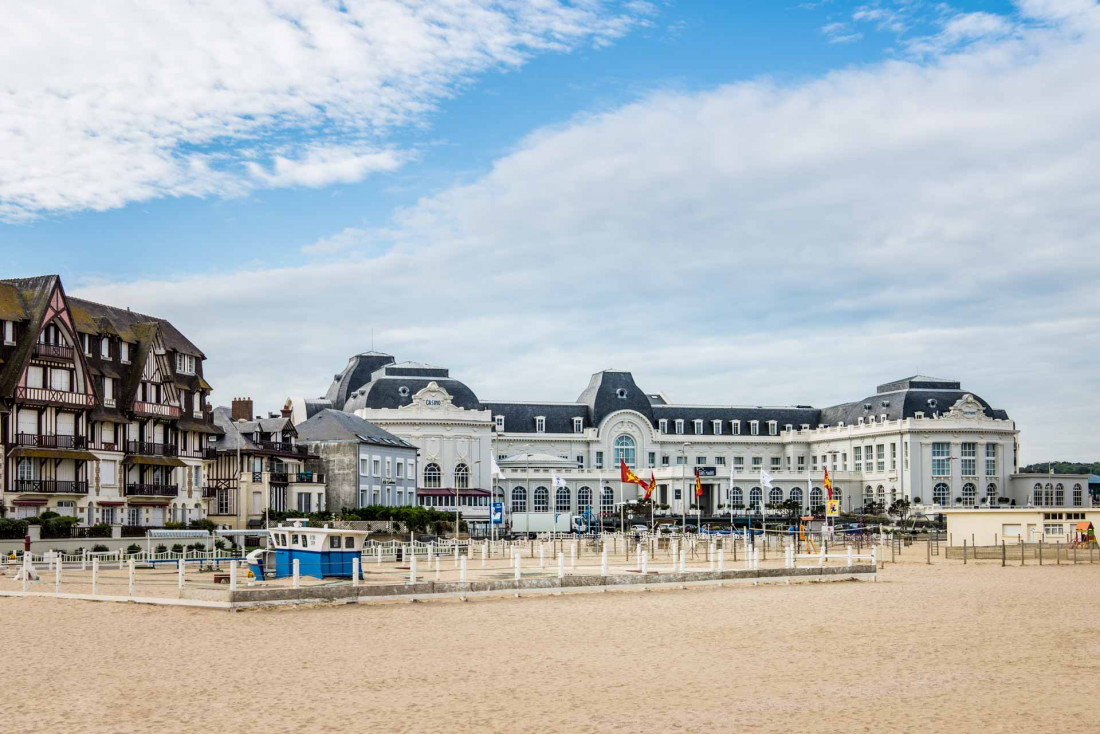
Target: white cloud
(753, 244)
(106, 103)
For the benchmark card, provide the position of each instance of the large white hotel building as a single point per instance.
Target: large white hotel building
(923, 439)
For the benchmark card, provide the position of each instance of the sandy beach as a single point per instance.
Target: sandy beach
(930, 648)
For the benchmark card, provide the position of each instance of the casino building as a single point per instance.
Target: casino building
(920, 438)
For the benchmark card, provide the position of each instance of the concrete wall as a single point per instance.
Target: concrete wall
(990, 527)
(340, 460)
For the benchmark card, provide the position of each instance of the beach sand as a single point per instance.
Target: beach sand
(945, 647)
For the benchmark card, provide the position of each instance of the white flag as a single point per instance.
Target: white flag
(733, 471)
(765, 479)
(809, 483)
(496, 472)
(558, 481)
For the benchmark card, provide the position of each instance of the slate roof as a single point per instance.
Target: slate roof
(612, 390)
(335, 425)
(239, 434)
(520, 417)
(796, 416)
(920, 381)
(904, 403)
(387, 392)
(356, 374)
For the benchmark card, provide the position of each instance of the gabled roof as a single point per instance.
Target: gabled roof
(97, 318)
(238, 434)
(33, 297)
(335, 425)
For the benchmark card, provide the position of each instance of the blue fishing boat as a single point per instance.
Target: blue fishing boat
(321, 552)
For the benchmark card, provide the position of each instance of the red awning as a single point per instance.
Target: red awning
(109, 503)
(29, 502)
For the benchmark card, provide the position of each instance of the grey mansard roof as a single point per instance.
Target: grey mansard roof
(334, 425)
(520, 417)
(356, 374)
(397, 392)
(796, 416)
(903, 403)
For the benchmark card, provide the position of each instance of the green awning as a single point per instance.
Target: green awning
(37, 453)
(153, 460)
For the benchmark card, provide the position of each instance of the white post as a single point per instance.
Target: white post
(180, 565)
(412, 569)
(233, 575)
(119, 552)
(721, 559)
(573, 556)
(130, 575)
(849, 556)
(603, 562)
(756, 558)
(27, 571)
(57, 577)
(379, 559)
(645, 562)
(84, 560)
(484, 554)
(683, 560)
(462, 569)
(561, 565)
(874, 557)
(95, 577)
(710, 556)
(456, 550)
(542, 555)
(519, 561)
(297, 574)
(638, 555)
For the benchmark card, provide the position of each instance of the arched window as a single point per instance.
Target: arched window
(991, 493)
(1059, 495)
(433, 477)
(893, 495)
(775, 496)
(1078, 497)
(607, 500)
(1037, 495)
(1048, 495)
(624, 450)
(941, 494)
(880, 495)
(970, 494)
(755, 498)
(838, 494)
(796, 495)
(868, 495)
(542, 499)
(462, 477)
(584, 499)
(737, 498)
(519, 499)
(561, 500)
(815, 499)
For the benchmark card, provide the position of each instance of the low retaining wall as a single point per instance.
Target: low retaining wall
(426, 590)
(1028, 551)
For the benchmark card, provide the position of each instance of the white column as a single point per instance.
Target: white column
(561, 565)
(573, 556)
(542, 555)
(412, 569)
(180, 566)
(456, 552)
(379, 558)
(130, 575)
(27, 571)
(849, 556)
(645, 562)
(603, 562)
(95, 577)
(462, 569)
(518, 561)
(232, 575)
(721, 559)
(297, 574)
(484, 554)
(57, 576)
(683, 560)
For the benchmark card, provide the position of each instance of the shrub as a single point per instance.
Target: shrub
(198, 547)
(48, 515)
(177, 548)
(99, 548)
(161, 549)
(101, 530)
(133, 548)
(219, 544)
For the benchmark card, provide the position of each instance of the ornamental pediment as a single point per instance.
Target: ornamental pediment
(966, 408)
(433, 402)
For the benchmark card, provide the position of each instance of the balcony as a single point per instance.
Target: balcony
(307, 477)
(44, 396)
(51, 486)
(41, 441)
(284, 447)
(145, 448)
(53, 351)
(156, 409)
(204, 452)
(152, 490)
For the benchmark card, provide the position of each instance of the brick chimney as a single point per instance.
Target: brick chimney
(242, 409)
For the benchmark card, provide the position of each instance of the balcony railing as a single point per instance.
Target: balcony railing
(285, 447)
(152, 490)
(53, 397)
(156, 409)
(51, 486)
(146, 448)
(205, 452)
(53, 351)
(286, 476)
(50, 442)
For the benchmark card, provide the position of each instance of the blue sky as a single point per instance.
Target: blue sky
(724, 197)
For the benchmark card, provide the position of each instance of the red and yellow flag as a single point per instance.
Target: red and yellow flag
(627, 476)
(828, 484)
(650, 487)
(698, 484)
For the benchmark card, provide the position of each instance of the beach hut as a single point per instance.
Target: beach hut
(321, 552)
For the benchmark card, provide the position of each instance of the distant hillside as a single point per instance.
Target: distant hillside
(1063, 467)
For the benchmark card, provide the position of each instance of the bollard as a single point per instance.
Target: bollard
(484, 554)
(180, 571)
(130, 577)
(233, 572)
(964, 551)
(645, 562)
(119, 552)
(57, 577)
(683, 561)
(412, 569)
(84, 561)
(519, 571)
(638, 555)
(603, 562)
(379, 555)
(561, 565)
(1058, 552)
(874, 559)
(456, 553)
(542, 555)
(27, 571)
(710, 557)
(756, 558)
(849, 556)
(1002, 553)
(722, 558)
(462, 569)
(297, 574)
(573, 556)
(95, 577)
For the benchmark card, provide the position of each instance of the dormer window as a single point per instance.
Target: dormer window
(882, 418)
(754, 428)
(540, 424)
(185, 364)
(85, 341)
(498, 421)
(124, 352)
(105, 347)
(805, 427)
(578, 425)
(735, 426)
(717, 427)
(698, 427)
(773, 428)
(662, 425)
(679, 426)
(620, 394)
(788, 427)
(9, 332)
(861, 420)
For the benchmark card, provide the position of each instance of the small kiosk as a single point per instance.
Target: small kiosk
(321, 552)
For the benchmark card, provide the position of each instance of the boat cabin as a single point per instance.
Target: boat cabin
(321, 552)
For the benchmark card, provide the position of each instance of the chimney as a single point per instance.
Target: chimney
(242, 409)
(286, 412)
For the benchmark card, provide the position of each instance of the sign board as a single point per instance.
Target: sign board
(706, 471)
(832, 508)
(498, 513)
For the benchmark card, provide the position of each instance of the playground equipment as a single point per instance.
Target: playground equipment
(1084, 535)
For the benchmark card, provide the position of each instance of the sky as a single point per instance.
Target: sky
(744, 202)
